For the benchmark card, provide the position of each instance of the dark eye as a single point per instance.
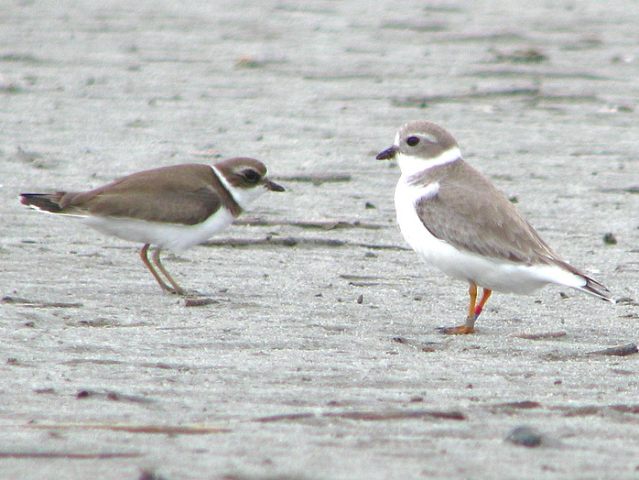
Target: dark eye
(412, 141)
(251, 176)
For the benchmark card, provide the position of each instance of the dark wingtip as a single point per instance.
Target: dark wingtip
(41, 201)
(597, 289)
(29, 198)
(387, 154)
(592, 286)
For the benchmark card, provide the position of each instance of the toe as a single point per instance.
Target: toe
(459, 330)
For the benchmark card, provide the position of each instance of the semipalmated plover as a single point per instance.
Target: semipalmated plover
(170, 207)
(456, 220)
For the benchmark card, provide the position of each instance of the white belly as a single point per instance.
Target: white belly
(495, 274)
(174, 236)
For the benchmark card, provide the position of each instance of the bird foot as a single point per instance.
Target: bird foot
(177, 291)
(459, 330)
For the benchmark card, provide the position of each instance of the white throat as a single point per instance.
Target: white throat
(411, 165)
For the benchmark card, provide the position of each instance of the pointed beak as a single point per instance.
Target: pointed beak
(272, 186)
(387, 154)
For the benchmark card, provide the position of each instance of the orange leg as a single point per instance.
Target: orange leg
(469, 326)
(156, 259)
(156, 275)
(484, 298)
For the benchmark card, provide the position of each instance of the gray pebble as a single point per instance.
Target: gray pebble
(525, 436)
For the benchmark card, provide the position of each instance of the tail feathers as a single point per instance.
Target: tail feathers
(593, 287)
(47, 202)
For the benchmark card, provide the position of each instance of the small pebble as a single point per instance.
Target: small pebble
(525, 437)
(610, 239)
(83, 394)
(150, 475)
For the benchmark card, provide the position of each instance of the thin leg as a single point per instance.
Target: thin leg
(472, 293)
(156, 259)
(145, 260)
(484, 298)
(469, 326)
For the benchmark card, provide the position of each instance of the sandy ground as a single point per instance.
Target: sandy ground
(287, 375)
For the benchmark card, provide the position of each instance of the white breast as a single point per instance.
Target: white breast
(431, 249)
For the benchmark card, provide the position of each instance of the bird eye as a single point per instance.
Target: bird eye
(251, 175)
(412, 141)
